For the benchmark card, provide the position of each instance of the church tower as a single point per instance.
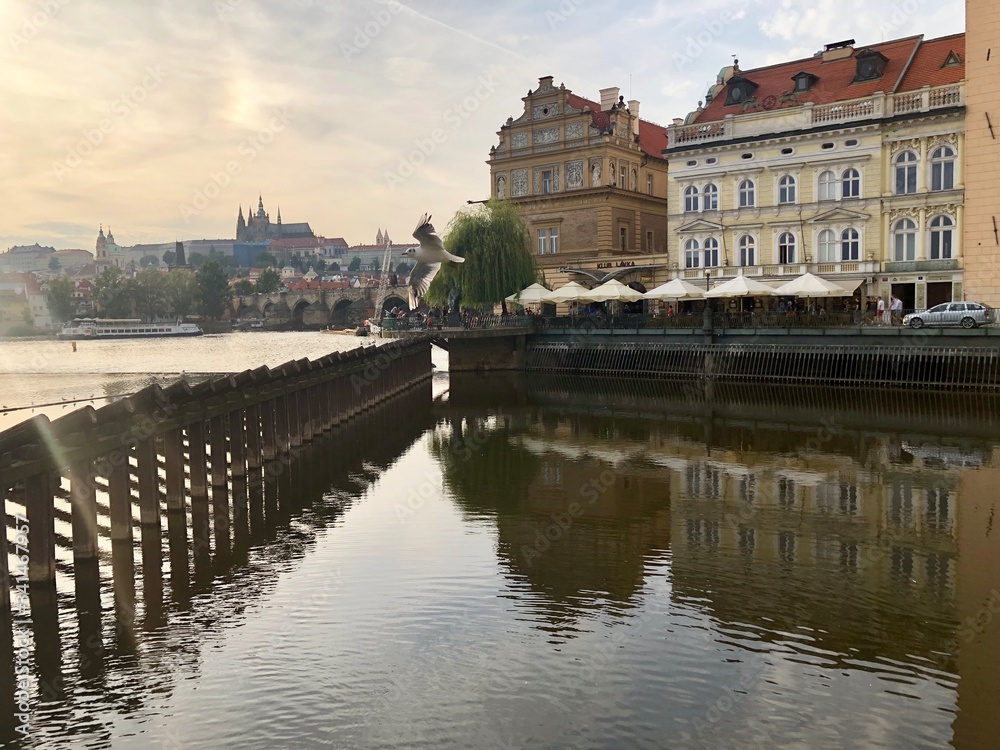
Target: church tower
(982, 152)
(241, 227)
(102, 244)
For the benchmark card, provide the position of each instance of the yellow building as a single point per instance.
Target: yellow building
(845, 164)
(982, 152)
(588, 179)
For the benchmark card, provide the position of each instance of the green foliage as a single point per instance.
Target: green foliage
(111, 294)
(181, 290)
(496, 246)
(169, 258)
(148, 260)
(333, 268)
(22, 330)
(355, 264)
(268, 282)
(264, 259)
(150, 296)
(195, 260)
(53, 263)
(61, 303)
(214, 293)
(243, 287)
(404, 268)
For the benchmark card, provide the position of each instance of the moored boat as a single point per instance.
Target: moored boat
(125, 328)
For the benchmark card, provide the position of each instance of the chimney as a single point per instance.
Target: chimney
(608, 97)
(838, 50)
(633, 107)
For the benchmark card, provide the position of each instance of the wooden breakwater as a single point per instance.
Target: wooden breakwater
(210, 458)
(902, 364)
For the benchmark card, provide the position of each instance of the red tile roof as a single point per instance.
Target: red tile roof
(652, 137)
(836, 77)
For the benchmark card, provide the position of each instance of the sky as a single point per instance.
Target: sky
(161, 118)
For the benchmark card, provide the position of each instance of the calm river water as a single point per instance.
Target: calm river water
(540, 562)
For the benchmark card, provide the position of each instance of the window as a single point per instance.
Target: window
(827, 186)
(711, 160)
(942, 235)
(787, 151)
(786, 248)
(851, 183)
(786, 189)
(649, 241)
(692, 256)
(547, 181)
(850, 245)
(827, 146)
(747, 194)
(711, 197)
(942, 168)
(548, 241)
(904, 240)
(711, 252)
(649, 184)
(827, 244)
(905, 173)
(623, 238)
(748, 255)
(690, 199)
(621, 177)
(746, 156)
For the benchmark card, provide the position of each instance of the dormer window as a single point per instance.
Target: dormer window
(739, 90)
(804, 81)
(870, 65)
(953, 60)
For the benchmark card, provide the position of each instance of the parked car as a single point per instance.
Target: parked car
(965, 314)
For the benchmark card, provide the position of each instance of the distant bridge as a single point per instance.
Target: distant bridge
(315, 307)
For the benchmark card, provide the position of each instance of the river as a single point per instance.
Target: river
(545, 562)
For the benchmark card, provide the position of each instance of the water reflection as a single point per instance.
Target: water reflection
(847, 530)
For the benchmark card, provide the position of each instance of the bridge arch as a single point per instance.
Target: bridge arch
(298, 309)
(339, 312)
(395, 300)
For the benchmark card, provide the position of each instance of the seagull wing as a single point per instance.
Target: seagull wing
(430, 243)
(420, 280)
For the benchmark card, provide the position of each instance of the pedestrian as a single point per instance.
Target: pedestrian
(896, 310)
(670, 311)
(880, 311)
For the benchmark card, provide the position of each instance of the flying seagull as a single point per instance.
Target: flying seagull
(429, 257)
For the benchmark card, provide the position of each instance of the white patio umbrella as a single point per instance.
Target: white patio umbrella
(676, 289)
(531, 295)
(571, 292)
(742, 286)
(810, 285)
(614, 290)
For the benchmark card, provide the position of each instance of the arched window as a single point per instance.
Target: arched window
(710, 197)
(786, 248)
(692, 256)
(828, 247)
(905, 173)
(747, 194)
(827, 186)
(850, 183)
(786, 189)
(850, 245)
(942, 237)
(943, 168)
(711, 252)
(748, 252)
(690, 199)
(904, 240)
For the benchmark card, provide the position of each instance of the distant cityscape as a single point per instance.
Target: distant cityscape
(302, 259)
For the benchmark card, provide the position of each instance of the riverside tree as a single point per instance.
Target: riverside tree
(268, 282)
(111, 293)
(496, 246)
(213, 289)
(60, 300)
(181, 292)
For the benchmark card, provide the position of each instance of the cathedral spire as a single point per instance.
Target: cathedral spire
(279, 213)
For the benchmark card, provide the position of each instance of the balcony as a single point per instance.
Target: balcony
(912, 266)
(754, 123)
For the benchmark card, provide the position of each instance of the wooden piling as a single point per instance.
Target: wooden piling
(200, 521)
(238, 467)
(220, 489)
(39, 509)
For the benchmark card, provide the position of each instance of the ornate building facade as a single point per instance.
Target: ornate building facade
(846, 164)
(589, 181)
(982, 153)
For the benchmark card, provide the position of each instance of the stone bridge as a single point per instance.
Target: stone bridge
(315, 308)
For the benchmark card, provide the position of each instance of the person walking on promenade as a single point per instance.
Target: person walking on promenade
(896, 310)
(880, 310)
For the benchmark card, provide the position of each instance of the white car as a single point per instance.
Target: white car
(965, 314)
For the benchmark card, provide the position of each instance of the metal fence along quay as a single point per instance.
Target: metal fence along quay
(160, 451)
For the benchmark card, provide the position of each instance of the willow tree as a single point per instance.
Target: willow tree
(496, 246)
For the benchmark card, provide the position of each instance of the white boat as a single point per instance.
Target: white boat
(125, 328)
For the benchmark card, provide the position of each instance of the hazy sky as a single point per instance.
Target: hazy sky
(160, 117)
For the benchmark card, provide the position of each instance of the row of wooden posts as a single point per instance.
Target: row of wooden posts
(236, 430)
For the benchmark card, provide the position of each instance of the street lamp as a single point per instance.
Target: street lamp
(708, 279)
